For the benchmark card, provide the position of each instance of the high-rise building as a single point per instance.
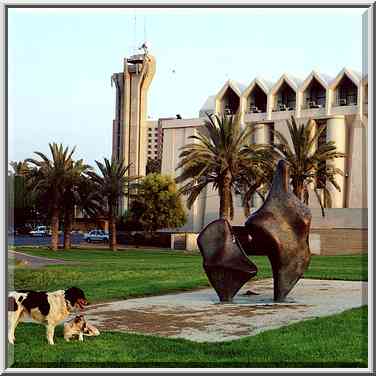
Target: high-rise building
(130, 126)
(155, 139)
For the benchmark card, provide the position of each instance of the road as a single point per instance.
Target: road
(22, 240)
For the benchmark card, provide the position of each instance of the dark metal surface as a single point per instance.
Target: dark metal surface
(281, 227)
(225, 263)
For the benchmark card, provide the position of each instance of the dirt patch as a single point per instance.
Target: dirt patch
(171, 322)
(197, 315)
(149, 322)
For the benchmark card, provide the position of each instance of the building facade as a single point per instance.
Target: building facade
(341, 103)
(154, 140)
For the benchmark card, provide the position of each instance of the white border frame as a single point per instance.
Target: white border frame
(3, 170)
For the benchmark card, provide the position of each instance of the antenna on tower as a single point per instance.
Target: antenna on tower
(145, 29)
(135, 33)
(145, 44)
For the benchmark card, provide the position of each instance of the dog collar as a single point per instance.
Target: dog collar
(68, 305)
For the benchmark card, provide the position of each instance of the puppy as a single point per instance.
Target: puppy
(79, 327)
(91, 330)
(74, 327)
(48, 308)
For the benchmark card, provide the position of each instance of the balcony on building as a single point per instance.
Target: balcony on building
(285, 98)
(345, 96)
(284, 102)
(230, 102)
(314, 99)
(346, 93)
(256, 104)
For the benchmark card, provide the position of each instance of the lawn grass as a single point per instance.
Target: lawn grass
(106, 275)
(335, 341)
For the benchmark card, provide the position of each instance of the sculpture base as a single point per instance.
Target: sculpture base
(198, 315)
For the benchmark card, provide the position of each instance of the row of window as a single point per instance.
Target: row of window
(346, 94)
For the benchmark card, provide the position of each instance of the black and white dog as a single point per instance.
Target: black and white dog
(49, 308)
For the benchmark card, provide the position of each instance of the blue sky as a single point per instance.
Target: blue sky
(61, 61)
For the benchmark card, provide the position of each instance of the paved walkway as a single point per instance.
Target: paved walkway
(197, 316)
(36, 261)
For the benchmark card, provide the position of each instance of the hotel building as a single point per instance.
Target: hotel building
(341, 103)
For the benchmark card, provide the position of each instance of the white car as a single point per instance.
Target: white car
(40, 231)
(96, 236)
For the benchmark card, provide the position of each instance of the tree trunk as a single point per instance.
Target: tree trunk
(247, 210)
(298, 189)
(112, 229)
(248, 196)
(225, 196)
(68, 228)
(55, 229)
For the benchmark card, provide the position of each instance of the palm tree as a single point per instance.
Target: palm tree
(217, 157)
(79, 192)
(111, 185)
(257, 178)
(20, 168)
(22, 199)
(308, 160)
(49, 178)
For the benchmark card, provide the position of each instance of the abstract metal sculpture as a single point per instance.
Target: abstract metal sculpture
(225, 263)
(280, 228)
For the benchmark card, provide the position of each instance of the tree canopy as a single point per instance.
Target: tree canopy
(218, 156)
(310, 160)
(158, 204)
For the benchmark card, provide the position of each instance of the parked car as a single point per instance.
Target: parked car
(23, 230)
(96, 236)
(40, 231)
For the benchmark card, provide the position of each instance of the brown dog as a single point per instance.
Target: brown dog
(79, 327)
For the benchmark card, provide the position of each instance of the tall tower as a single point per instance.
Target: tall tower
(129, 134)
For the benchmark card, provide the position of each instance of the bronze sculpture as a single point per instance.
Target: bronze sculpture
(280, 228)
(225, 263)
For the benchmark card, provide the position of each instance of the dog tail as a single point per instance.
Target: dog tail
(12, 304)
